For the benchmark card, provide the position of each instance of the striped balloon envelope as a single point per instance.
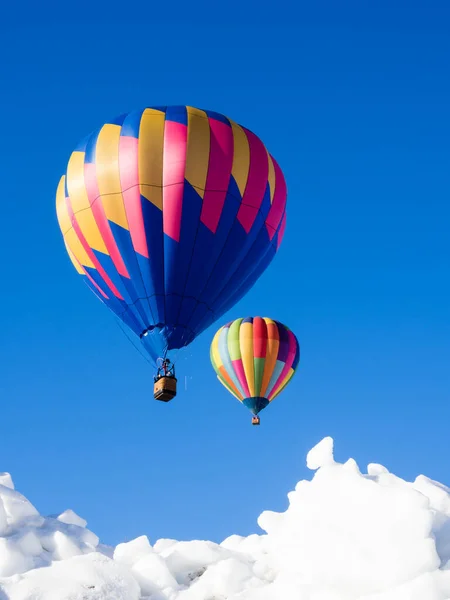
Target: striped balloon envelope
(255, 358)
(170, 215)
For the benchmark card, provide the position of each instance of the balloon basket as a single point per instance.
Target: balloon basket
(256, 420)
(165, 389)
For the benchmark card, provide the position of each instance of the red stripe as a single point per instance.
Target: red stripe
(93, 193)
(129, 181)
(281, 230)
(279, 201)
(239, 370)
(174, 166)
(256, 182)
(95, 284)
(219, 170)
(259, 337)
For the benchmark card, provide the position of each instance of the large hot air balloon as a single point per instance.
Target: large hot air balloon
(255, 358)
(170, 215)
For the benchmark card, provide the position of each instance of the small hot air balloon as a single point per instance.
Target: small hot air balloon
(170, 215)
(255, 358)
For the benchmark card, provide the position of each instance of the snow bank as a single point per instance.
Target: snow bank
(345, 536)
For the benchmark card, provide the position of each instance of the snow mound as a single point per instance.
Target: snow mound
(345, 536)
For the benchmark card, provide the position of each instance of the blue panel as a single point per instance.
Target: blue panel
(125, 287)
(256, 404)
(160, 108)
(218, 117)
(226, 278)
(233, 189)
(234, 252)
(182, 264)
(248, 279)
(177, 114)
(265, 204)
(81, 146)
(135, 286)
(131, 124)
(188, 306)
(201, 318)
(117, 306)
(258, 263)
(207, 252)
(101, 284)
(90, 147)
(297, 357)
(247, 320)
(152, 269)
(118, 120)
(92, 287)
(202, 262)
(172, 300)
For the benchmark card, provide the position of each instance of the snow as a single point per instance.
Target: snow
(346, 535)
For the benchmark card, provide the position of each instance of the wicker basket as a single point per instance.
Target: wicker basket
(165, 389)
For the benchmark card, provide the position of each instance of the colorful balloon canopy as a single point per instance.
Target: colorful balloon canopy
(170, 215)
(255, 358)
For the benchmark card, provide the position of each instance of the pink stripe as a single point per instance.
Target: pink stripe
(256, 182)
(239, 370)
(281, 230)
(174, 164)
(129, 181)
(98, 211)
(289, 362)
(89, 251)
(219, 171)
(95, 284)
(279, 201)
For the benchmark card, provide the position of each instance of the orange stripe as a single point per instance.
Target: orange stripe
(228, 379)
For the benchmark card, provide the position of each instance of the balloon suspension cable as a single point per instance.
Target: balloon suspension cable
(132, 341)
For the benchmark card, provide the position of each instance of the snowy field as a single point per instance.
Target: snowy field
(345, 536)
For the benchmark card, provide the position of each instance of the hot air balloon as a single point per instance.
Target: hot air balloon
(170, 215)
(255, 358)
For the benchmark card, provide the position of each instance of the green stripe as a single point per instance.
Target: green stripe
(259, 371)
(234, 347)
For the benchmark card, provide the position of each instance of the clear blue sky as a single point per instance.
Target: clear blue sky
(353, 101)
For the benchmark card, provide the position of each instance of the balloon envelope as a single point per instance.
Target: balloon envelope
(170, 215)
(255, 358)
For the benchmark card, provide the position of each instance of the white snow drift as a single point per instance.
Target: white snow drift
(345, 536)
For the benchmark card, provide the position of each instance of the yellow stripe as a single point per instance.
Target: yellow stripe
(72, 241)
(271, 177)
(198, 142)
(73, 244)
(61, 208)
(108, 174)
(215, 354)
(241, 157)
(246, 343)
(151, 146)
(284, 384)
(80, 203)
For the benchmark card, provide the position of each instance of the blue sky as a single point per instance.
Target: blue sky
(353, 103)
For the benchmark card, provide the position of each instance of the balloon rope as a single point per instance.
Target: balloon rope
(136, 347)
